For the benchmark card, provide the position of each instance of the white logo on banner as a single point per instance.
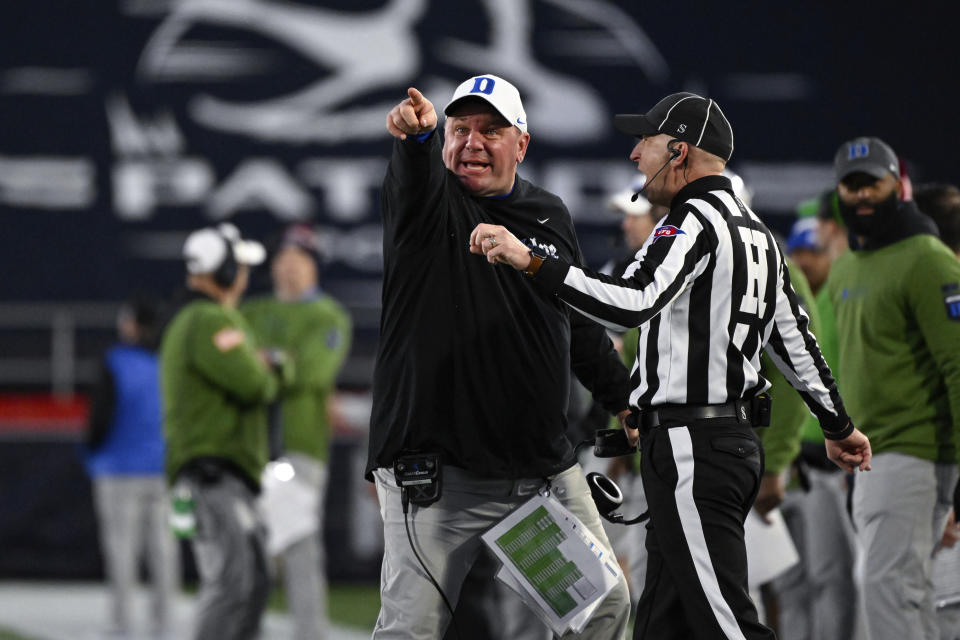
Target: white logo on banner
(47, 182)
(367, 52)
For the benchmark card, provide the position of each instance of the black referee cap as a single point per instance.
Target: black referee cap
(687, 117)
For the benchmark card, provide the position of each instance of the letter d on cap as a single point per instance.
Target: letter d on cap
(858, 150)
(483, 85)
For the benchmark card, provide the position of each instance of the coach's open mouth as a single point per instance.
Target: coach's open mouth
(474, 167)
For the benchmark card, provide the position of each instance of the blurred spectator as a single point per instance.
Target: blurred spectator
(833, 239)
(804, 249)
(814, 594)
(313, 329)
(125, 460)
(899, 371)
(831, 231)
(934, 197)
(216, 388)
(942, 203)
(636, 225)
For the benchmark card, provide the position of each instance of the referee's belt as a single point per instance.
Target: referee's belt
(753, 411)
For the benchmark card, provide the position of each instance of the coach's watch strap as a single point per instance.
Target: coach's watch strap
(535, 263)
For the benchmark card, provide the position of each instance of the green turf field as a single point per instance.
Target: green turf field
(349, 605)
(355, 605)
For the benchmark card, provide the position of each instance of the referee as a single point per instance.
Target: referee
(708, 291)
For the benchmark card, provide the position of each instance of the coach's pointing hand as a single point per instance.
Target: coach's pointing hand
(499, 245)
(412, 117)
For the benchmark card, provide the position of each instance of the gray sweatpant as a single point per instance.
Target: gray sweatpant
(303, 561)
(231, 558)
(900, 508)
(817, 595)
(447, 537)
(133, 513)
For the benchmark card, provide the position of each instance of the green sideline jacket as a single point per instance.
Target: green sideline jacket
(898, 330)
(316, 332)
(215, 390)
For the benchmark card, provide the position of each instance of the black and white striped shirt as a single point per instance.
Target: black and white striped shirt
(708, 291)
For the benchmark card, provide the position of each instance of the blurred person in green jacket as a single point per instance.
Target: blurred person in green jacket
(814, 594)
(314, 330)
(216, 389)
(896, 297)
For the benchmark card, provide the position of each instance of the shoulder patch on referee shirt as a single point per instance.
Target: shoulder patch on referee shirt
(228, 338)
(667, 231)
(951, 299)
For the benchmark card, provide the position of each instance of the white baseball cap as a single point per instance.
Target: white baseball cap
(206, 249)
(630, 201)
(501, 95)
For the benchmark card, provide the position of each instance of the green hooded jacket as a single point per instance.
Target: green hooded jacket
(316, 333)
(215, 390)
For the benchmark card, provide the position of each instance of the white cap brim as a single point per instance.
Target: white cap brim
(623, 202)
(205, 249)
(249, 252)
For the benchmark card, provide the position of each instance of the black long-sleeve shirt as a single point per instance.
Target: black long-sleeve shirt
(473, 360)
(709, 290)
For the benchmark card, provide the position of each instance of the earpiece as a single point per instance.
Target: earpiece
(674, 153)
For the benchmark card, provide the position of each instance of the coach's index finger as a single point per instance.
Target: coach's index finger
(416, 98)
(422, 108)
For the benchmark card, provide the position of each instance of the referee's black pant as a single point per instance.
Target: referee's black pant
(700, 480)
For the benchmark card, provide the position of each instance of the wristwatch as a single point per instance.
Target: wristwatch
(537, 256)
